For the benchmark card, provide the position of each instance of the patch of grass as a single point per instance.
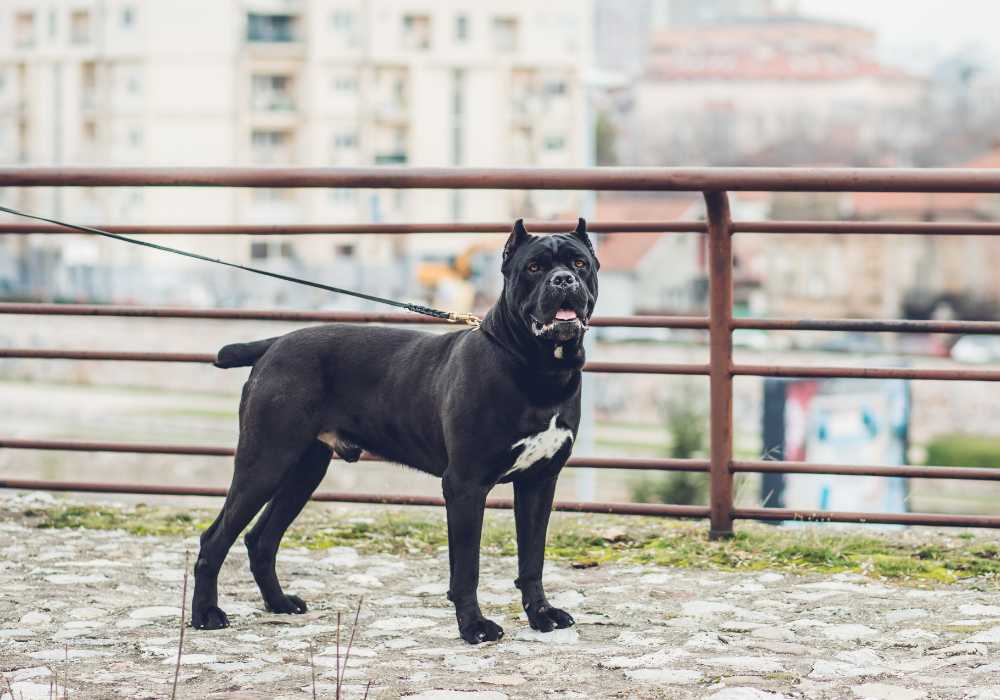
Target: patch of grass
(141, 520)
(782, 676)
(914, 556)
(962, 629)
(963, 451)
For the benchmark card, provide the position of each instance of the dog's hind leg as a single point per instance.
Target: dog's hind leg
(246, 497)
(263, 539)
(261, 466)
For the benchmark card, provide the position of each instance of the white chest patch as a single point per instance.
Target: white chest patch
(543, 445)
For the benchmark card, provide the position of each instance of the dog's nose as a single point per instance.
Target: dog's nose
(563, 279)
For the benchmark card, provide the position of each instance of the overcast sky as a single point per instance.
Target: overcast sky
(919, 31)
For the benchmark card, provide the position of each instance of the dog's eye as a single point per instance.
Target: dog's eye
(580, 263)
(534, 267)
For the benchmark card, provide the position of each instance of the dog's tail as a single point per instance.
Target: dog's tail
(242, 354)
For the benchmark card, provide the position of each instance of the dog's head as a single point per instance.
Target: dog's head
(550, 282)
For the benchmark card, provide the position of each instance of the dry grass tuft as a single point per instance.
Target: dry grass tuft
(180, 639)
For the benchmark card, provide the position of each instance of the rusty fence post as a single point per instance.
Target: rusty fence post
(720, 328)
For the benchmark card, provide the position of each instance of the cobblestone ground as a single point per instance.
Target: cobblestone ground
(110, 602)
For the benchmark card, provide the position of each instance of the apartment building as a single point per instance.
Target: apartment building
(768, 89)
(286, 82)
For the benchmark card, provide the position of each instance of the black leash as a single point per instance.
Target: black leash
(450, 316)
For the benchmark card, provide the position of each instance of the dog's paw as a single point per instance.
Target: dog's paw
(479, 629)
(209, 617)
(287, 605)
(545, 618)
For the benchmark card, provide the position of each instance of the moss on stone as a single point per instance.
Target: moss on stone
(915, 556)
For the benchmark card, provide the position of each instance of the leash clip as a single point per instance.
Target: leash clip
(468, 319)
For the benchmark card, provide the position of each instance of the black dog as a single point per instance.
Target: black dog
(476, 407)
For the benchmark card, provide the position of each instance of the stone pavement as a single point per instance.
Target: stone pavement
(113, 601)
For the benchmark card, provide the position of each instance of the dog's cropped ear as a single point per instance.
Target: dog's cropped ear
(517, 236)
(581, 233)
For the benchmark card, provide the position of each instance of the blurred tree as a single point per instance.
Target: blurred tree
(605, 140)
(687, 423)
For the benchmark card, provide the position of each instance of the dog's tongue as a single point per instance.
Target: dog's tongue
(565, 314)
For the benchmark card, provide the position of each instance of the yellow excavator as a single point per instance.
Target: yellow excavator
(452, 279)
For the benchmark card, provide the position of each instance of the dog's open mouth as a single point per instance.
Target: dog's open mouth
(565, 319)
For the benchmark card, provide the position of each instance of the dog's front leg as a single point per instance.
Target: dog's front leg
(465, 503)
(532, 506)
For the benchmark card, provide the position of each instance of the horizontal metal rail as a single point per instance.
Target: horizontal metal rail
(934, 519)
(868, 325)
(599, 367)
(644, 463)
(36, 354)
(974, 375)
(607, 179)
(880, 228)
(651, 509)
(305, 316)
(363, 228)
(341, 497)
(916, 228)
(209, 358)
(675, 322)
(903, 470)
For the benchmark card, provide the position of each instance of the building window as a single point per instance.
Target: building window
(89, 133)
(417, 32)
(344, 250)
(258, 250)
(88, 85)
(272, 93)
(133, 84)
(271, 146)
(461, 28)
(135, 137)
(342, 22)
(345, 84)
(554, 143)
(391, 158)
(270, 28)
(505, 34)
(457, 115)
(390, 147)
(128, 17)
(341, 195)
(24, 30)
(287, 250)
(555, 87)
(345, 140)
(272, 194)
(79, 24)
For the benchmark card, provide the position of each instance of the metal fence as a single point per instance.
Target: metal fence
(720, 324)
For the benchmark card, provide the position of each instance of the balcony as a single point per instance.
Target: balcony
(272, 147)
(416, 32)
(272, 93)
(391, 112)
(391, 158)
(272, 29)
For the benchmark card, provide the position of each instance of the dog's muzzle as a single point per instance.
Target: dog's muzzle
(566, 325)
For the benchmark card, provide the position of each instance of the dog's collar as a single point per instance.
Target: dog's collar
(467, 319)
(519, 357)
